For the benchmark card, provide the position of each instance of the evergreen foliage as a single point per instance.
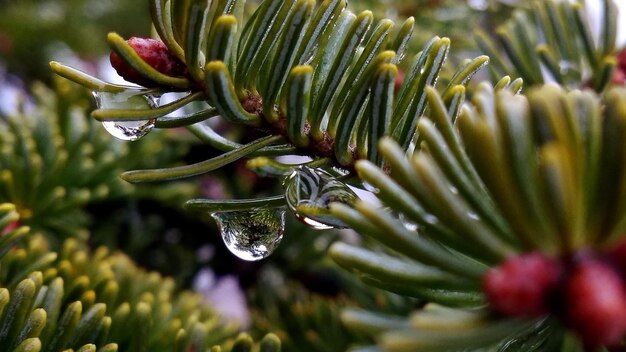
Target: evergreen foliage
(76, 299)
(553, 41)
(513, 174)
(33, 31)
(464, 185)
(55, 161)
(306, 90)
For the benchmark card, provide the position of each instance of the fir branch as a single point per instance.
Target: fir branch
(244, 69)
(552, 42)
(514, 174)
(55, 160)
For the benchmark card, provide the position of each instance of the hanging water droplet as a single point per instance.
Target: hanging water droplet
(252, 234)
(309, 193)
(129, 130)
(128, 99)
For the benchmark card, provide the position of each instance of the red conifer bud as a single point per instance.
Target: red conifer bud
(156, 54)
(522, 286)
(595, 303)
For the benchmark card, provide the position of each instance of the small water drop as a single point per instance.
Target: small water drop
(252, 234)
(431, 219)
(408, 224)
(473, 216)
(566, 66)
(311, 55)
(129, 130)
(309, 193)
(369, 187)
(338, 171)
(128, 99)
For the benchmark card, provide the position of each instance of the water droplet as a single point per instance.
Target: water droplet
(369, 187)
(565, 66)
(309, 193)
(311, 56)
(431, 219)
(473, 216)
(340, 171)
(408, 224)
(454, 190)
(128, 99)
(129, 130)
(252, 234)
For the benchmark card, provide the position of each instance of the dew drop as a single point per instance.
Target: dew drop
(473, 216)
(129, 130)
(311, 55)
(251, 234)
(309, 193)
(369, 187)
(408, 224)
(566, 66)
(431, 219)
(131, 99)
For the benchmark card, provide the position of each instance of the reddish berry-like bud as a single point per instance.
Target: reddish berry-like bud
(10, 227)
(522, 286)
(399, 80)
(595, 303)
(156, 54)
(619, 77)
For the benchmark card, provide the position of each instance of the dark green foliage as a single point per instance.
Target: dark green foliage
(55, 161)
(553, 41)
(504, 175)
(57, 301)
(319, 79)
(300, 294)
(32, 31)
(514, 174)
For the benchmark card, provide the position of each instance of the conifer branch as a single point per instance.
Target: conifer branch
(245, 69)
(553, 42)
(81, 300)
(513, 175)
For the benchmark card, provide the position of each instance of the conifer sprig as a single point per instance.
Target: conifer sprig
(513, 174)
(553, 42)
(79, 300)
(321, 76)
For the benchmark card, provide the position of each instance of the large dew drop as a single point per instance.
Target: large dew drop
(252, 234)
(132, 99)
(309, 193)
